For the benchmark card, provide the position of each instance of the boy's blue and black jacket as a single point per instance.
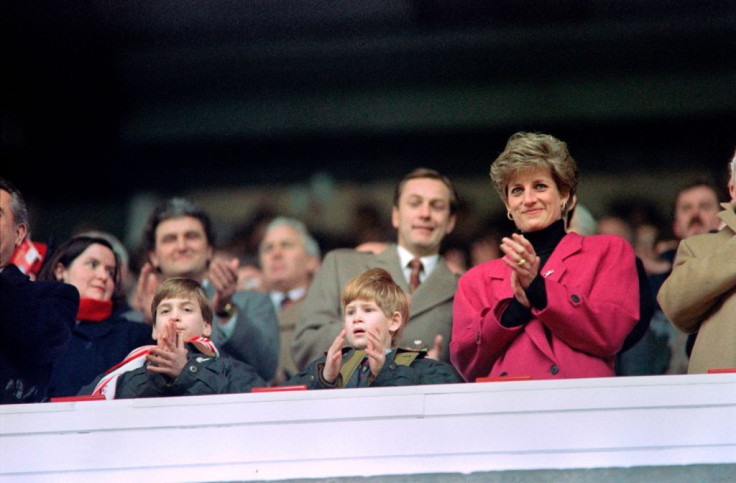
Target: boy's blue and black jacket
(403, 367)
(201, 375)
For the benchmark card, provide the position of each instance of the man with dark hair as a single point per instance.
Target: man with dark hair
(179, 239)
(424, 212)
(36, 318)
(696, 210)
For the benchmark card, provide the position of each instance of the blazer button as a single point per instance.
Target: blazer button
(392, 366)
(575, 298)
(311, 378)
(193, 369)
(554, 369)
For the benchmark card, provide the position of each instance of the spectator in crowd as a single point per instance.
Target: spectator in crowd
(101, 337)
(485, 245)
(36, 318)
(423, 214)
(376, 311)
(696, 210)
(289, 257)
(611, 224)
(699, 296)
(184, 362)
(557, 304)
(180, 241)
(695, 213)
(124, 290)
(580, 220)
(485, 242)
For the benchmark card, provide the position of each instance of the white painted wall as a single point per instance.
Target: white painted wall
(419, 430)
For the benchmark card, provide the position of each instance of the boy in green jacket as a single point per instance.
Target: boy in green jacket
(376, 311)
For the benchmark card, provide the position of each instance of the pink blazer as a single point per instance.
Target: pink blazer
(592, 305)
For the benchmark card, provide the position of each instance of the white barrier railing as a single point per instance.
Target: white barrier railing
(460, 429)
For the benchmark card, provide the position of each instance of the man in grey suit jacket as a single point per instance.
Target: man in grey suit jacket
(179, 238)
(424, 212)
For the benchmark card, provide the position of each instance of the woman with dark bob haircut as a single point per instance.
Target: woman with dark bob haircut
(101, 338)
(557, 304)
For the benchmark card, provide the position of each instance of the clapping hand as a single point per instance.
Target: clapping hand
(170, 356)
(224, 277)
(375, 351)
(148, 282)
(523, 260)
(333, 362)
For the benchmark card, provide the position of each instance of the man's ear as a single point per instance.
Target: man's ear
(21, 230)
(395, 217)
(450, 224)
(153, 259)
(313, 264)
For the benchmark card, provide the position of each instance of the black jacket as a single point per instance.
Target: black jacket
(420, 371)
(93, 349)
(201, 375)
(36, 320)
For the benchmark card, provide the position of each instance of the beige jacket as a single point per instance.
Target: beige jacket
(700, 294)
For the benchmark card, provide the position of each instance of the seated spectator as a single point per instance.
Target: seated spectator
(101, 337)
(376, 312)
(185, 361)
(36, 318)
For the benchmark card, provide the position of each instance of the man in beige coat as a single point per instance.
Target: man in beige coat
(423, 214)
(700, 293)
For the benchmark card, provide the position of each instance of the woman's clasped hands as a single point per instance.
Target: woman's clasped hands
(523, 260)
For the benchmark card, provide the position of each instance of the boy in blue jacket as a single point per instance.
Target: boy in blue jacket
(185, 361)
(375, 312)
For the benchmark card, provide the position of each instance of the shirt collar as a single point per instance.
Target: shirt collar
(428, 262)
(294, 294)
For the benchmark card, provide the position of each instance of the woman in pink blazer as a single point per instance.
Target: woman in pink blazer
(557, 304)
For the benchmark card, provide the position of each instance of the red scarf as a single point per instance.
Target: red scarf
(107, 385)
(93, 310)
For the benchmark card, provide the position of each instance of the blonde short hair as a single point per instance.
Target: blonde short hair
(182, 288)
(377, 285)
(529, 150)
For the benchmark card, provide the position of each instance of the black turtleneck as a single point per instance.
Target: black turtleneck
(544, 242)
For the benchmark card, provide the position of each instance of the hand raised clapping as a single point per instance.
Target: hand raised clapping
(170, 356)
(523, 260)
